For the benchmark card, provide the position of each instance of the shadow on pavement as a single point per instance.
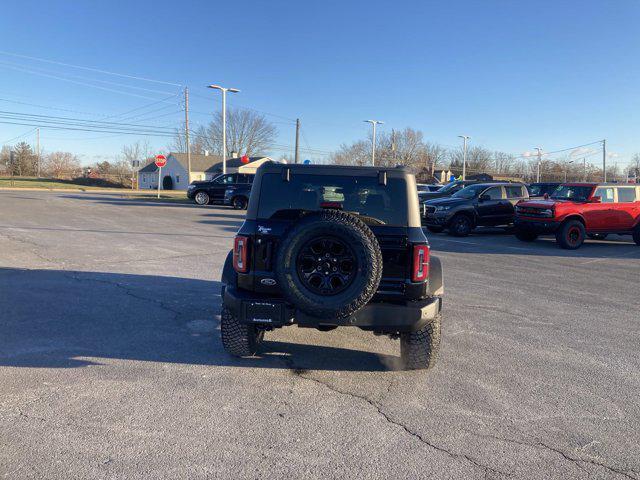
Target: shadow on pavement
(501, 242)
(66, 319)
(117, 199)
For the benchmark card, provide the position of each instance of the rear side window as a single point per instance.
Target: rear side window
(361, 195)
(514, 191)
(626, 195)
(226, 179)
(494, 193)
(605, 194)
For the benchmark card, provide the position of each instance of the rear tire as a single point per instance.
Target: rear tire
(435, 229)
(461, 225)
(305, 288)
(419, 349)
(571, 235)
(636, 234)
(202, 198)
(239, 203)
(238, 339)
(525, 235)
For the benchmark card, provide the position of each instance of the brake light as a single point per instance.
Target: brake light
(420, 263)
(240, 249)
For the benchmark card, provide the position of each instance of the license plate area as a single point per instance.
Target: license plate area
(265, 313)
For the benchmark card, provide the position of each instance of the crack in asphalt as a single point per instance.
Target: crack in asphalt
(575, 461)
(25, 242)
(76, 276)
(298, 372)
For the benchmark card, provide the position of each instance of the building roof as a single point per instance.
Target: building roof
(235, 162)
(199, 162)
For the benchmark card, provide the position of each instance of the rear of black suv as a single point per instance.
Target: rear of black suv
(329, 246)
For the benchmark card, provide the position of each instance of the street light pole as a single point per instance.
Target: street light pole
(464, 155)
(604, 160)
(566, 170)
(373, 140)
(539, 149)
(224, 122)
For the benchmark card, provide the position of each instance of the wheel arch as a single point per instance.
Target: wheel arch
(229, 275)
(468, 212)
(240, 195)
(575, 216)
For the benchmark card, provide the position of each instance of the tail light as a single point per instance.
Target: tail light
(420, 263)
(240, 249)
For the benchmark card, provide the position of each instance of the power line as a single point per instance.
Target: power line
(148, 134)
(164, 100)
(78, 82)
(19, 136)
(40, 71)
(91, 69)
(68, 120)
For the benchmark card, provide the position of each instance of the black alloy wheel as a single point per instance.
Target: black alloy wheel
(461, 225)
(240, 203)
(326, 265)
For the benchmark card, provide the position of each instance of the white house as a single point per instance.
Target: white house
(203, 167)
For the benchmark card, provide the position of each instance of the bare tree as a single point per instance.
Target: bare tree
(62, 165)
(139, 151)
(478, 161)
(634, 168)
(247, 133)
(179, 142)
(5, 157)
(358, 153)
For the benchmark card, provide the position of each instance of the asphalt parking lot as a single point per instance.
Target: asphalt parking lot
(111, 364)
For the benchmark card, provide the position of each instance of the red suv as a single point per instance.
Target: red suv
(577, 210)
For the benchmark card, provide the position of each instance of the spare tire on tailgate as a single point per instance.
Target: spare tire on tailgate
(329, 264)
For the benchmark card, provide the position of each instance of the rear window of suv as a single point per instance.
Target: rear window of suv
(362, 195)
(626, 195)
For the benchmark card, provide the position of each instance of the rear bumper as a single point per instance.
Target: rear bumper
(404, 316)
(539, 226)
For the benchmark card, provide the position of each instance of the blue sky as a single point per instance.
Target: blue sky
(512, 74)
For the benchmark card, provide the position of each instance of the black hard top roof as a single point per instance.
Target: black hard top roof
(273, 167)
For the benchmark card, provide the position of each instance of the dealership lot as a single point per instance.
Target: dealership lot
(111, 364)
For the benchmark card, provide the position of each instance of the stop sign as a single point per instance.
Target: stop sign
(161, 160)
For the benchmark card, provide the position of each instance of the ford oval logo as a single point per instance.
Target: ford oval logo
(268, 281)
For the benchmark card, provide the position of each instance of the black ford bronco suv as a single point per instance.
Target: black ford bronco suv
(325, 246)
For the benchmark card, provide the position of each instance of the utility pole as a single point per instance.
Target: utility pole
(297, 151)
(186, 132)
(373, 140)
(539, 149)
(224, 122)
(38, 149)
(464, 155)
(393, 146)
(604, 160)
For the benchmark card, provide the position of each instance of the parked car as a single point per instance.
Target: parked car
(577, 210)
(542, 188)
(327, 246)
(482, 204)
(237, 196)
(446, 190)
(423, 187)
(213, 191)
